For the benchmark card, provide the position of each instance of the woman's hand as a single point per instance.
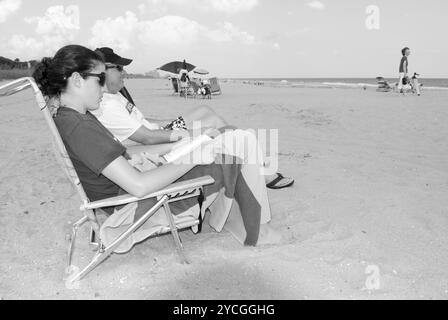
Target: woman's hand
(154, 158)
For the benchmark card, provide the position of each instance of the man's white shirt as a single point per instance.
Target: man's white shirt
(121, 117)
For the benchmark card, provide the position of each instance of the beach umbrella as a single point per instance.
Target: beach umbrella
(175, 66)
(201, 71)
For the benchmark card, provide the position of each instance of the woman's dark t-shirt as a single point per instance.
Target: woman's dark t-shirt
(91, 147)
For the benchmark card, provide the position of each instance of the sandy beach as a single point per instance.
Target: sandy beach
(371, 190)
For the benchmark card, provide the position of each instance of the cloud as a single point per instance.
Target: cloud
(228, 32)
(57, 20)
(227, 6)
(56, 28)
(126, 31)
(142, 8)
(8, 7)
(336, 52)
(316, 5)
(117, 33)
(25, 47)
(233, 6)
(170, 30)
(299, 32)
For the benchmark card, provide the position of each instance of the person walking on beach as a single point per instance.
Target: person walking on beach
(404, 67)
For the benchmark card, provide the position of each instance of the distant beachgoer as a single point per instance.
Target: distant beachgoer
(415, 84)
(184, 78)
(404, 67)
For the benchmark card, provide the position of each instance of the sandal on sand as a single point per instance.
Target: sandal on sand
(280, 182)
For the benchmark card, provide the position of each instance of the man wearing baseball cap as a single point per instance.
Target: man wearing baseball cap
(119, 114)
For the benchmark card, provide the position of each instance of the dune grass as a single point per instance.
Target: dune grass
(14, 74)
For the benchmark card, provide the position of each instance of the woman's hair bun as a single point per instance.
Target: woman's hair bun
(47, 61)
(40, 74)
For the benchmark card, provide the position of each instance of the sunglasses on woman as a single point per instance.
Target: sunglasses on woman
(119, 68)
(101, 76)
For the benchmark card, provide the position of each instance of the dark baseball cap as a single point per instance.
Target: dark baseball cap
(111, 57)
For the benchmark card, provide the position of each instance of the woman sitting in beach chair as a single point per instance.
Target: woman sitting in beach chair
(76, 77)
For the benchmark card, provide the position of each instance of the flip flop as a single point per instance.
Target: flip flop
(274, 184)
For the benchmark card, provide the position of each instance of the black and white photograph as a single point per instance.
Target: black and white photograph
(233, 151)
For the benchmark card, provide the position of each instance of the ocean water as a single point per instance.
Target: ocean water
(427, 82)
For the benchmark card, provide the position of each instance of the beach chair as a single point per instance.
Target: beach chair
(200, 89)
(195, 88)
(383, 85)
(125, 93)
(214, 86)
(172, 193)
(186, 90)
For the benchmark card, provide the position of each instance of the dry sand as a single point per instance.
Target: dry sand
(371, 174)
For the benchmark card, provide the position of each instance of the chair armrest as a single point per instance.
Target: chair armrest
(14, 86)
(171, 189)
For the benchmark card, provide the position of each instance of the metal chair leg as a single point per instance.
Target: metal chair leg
(72, 239)
(175, 234)
(101, 256)
(93, 240)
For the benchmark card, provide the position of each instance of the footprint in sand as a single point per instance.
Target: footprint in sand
(335, 232)
(312, 229)
(312, 117)
(306, 229)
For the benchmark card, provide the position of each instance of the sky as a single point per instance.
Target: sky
(239, 38)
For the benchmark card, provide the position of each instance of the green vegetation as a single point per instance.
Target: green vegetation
(14, 74)
(13, 69)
